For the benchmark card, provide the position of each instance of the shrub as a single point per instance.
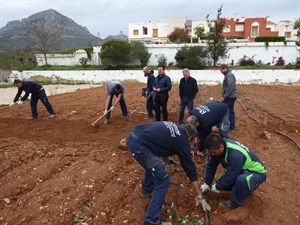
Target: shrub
(194, 57)
(280, 62)
(246, 61)
(162, 61)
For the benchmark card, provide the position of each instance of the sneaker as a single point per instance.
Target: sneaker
(144, 194)
(31, 118)
(226, 204)
(165, 223)
(179, 124)
(231, 130)
(127, 118)
(148, 118)
(52, 116)
(106, 121)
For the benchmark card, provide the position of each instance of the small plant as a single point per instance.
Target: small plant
(280, 62)
(247, 61)
(162, 61)
(78, 218)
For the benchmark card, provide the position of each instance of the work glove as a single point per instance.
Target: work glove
(112, 108)
(19, 102)
(204, 187)
(105, 112)
(205, 205)
(12, 104)
(214, 189)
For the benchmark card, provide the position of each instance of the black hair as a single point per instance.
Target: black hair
(118, 87)
(17, 81)
(213, 141)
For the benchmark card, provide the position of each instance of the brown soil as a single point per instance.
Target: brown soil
(64, 171)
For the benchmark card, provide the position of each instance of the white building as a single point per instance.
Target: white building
(286, 29)
(153, 31)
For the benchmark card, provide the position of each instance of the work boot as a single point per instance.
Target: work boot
(106, 121)
(31, 118)
(127, 118)
(144, 194)
(226, 204)
(52, 116)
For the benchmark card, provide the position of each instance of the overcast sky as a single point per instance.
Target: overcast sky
(110, 17)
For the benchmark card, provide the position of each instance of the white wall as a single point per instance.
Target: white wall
(235, 53)
(237, 50)
(202, 76)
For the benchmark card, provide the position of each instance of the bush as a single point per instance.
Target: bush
(280, 62)
(246, 61)
(162, 61)
(194, 57)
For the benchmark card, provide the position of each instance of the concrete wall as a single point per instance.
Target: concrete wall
(237, 50)
(202, 76)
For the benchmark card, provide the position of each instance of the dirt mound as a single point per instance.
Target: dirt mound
(64, 171)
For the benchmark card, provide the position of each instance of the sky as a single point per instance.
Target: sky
(111, 17)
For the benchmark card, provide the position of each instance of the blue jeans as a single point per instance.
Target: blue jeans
(230, 103)
(156, 180)
(185, 102)
(122, 104)
(245, 184)
(224, 126)
(41, 95)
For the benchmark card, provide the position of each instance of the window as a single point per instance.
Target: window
(254, 31)
(287, 34)
(145, 30)
(155, 33)
(226, 29)
(135, 32)
(268, 29)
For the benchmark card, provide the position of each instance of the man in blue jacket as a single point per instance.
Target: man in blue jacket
(244, 170)
(204, 117)
(147, 143)
(188, 89)
(150, 101)
(37, 93)
(116, 88)
(229, 93)
(162, 86)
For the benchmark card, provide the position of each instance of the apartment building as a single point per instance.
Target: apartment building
(154, 31)
(246, 28)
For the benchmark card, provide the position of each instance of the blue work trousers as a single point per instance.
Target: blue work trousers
(245, 184)
(122, 104)
(224, 126)
(185, 102)
(150, 107)
(156, 180)
(230, 103)
(41, 95)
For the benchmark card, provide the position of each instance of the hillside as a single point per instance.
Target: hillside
(74, 35)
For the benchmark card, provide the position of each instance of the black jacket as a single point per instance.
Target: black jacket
(192, 88)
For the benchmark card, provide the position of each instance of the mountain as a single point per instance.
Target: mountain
(74, 35)
(121, 37)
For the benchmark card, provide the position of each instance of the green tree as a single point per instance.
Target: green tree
(115, 54)
(217, 46)
(200, 32)
(42, 37)
(179, 35)
(139, 53)
(297, 26)
(194, 57)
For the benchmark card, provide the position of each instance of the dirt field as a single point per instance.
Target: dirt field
(63, 171)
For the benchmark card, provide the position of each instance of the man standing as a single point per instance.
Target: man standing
(229, 93)
(244, 170)
(204, 117)
(188, 89)
(162, 86)
(146, 146)
(37, 93)
(115, 88)
(150, 81)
